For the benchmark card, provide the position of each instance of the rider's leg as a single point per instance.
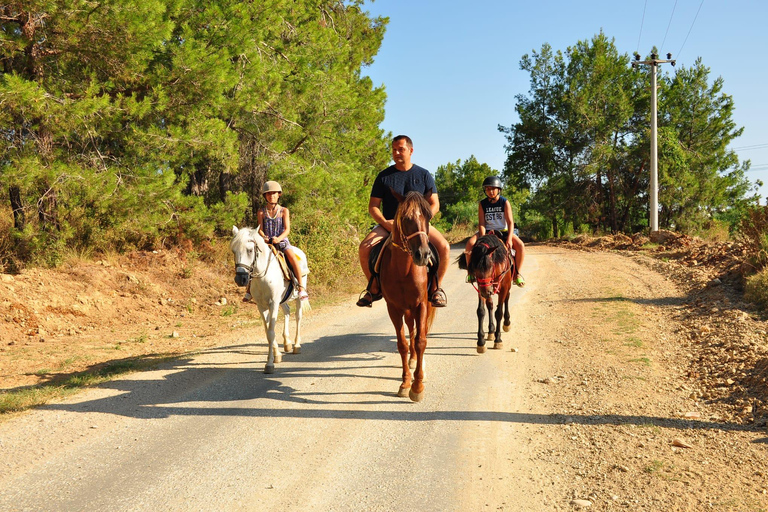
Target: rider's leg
(294, 262)
(519, 248)
(373, 238)
(469, 246)
(437, 296)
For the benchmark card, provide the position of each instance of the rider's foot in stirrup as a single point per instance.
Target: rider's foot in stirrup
(303, 295)
(519, 281)
(367, 299)
(439, 299)
(247, 297)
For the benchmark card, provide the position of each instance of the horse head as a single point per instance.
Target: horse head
(488, 262)
(246, 245)
(411, 227)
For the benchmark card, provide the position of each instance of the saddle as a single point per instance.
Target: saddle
(374, 261)
(288, 273)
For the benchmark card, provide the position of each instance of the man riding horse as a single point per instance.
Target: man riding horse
(393, 182)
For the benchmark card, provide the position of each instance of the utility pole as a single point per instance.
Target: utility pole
(654, 192)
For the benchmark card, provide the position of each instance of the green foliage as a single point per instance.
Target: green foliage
(461, 188)
(756, 288)
(753, 232)
(581, 145)
(134, 125)
(331, 244)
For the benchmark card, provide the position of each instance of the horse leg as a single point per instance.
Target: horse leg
(299, 314)
(497, 344)
(412, 340)
(287, 347)
(480, 318)
(507, 321)
(417, 388)
(491, 325)
(268, 316)
(402, 347)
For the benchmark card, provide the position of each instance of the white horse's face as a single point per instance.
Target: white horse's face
(245, 246)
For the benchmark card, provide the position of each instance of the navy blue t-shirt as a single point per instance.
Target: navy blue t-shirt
(415, 179)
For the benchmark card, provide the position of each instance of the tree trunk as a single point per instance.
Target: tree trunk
(46, 210)
(19, 222)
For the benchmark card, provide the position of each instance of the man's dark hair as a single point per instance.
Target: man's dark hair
(406, 138)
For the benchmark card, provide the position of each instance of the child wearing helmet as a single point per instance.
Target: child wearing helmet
(275, 226)
(495, 214)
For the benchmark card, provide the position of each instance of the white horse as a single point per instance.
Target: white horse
(255, 262)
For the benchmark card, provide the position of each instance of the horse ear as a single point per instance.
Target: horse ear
(234, 230)
(397, 196)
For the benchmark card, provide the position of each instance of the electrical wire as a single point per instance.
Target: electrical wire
(680, 51)
(753, 146)
(668, 25)
(642, 21)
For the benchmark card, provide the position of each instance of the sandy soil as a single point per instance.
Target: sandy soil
(632, 382)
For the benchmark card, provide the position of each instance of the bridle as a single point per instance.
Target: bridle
(250, 268)
(493, 281)
(404, 239)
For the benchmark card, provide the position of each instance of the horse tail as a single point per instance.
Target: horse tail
(462, 261)
(431, 310)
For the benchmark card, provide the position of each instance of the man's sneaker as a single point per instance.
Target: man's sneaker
(303, 295)
(518, 280)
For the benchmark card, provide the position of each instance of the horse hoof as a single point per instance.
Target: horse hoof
(412, 364)
(498, 346)
(481, 349)
(415, 397)
(507, 327)
(403, 392)
(270, 368)
(297, 350)
(490, 336)
(278, 358)
(287, 349)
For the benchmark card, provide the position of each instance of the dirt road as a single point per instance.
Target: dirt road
(587, 406)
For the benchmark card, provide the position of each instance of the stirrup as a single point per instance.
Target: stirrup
(439, 299)
(367, 299)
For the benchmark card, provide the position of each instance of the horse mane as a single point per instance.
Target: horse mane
(488, 251)
(413, 204)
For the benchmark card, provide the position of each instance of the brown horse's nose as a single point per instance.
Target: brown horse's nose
(421, 255)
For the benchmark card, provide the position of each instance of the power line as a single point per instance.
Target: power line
(747, 148)
(642, 21)
(689, 30)
(668, 24)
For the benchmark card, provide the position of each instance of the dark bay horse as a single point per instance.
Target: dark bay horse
(492, 269)
(404, 285)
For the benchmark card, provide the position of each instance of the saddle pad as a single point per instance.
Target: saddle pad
(287, 274)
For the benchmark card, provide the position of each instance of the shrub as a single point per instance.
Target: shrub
(754, 233)
(756, 288)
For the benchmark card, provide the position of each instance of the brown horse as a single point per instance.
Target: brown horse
(492, 268)
(404, 285)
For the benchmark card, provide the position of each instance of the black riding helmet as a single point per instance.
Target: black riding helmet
(492, 181)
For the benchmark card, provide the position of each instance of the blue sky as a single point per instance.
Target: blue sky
(451, 68)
